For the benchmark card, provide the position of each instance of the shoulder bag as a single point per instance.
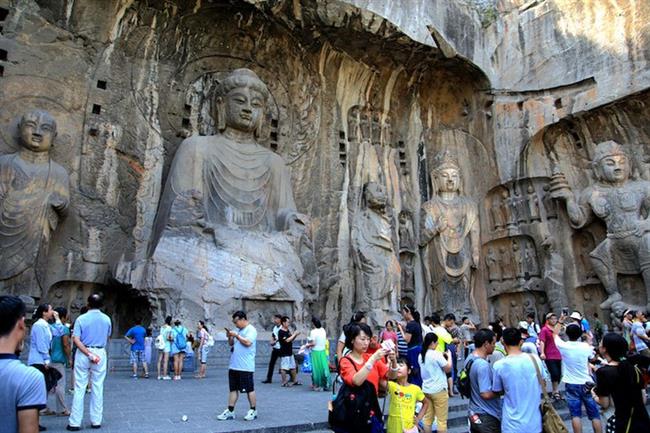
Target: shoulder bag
(551, 420)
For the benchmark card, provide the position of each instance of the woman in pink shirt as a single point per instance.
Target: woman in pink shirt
(388, 333)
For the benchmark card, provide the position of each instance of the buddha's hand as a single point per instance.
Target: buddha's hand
(559, 187)
(643, 227)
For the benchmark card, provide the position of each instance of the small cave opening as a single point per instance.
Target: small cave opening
(125, 305)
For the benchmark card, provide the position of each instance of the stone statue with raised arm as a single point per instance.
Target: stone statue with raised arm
(34, 196)
(449, 234)
(227, 226)
(623, 203)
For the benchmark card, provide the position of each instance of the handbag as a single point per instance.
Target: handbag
(551, 420)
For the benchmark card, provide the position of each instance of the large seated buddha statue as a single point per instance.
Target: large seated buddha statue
(227, 228)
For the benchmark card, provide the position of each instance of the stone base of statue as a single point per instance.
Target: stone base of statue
(211, 274)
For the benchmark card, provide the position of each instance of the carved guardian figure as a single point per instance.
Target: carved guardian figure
(34, 196)
(623, 203)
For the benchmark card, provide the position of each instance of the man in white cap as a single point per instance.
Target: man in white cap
(577, 318)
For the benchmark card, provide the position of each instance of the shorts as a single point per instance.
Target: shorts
(137, 356)
(287, 363)
(484, 423)
(554, 369)
(204, 354)
(438, 409)
(576, 396)
(241, 381)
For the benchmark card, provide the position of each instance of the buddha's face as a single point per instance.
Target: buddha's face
(449, 180)
(37, 132)
(244, 107)
(615, 168)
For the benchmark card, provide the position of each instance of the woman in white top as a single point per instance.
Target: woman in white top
(320, 369)
(434, 368)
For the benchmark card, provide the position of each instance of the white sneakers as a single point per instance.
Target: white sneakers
(226, 415)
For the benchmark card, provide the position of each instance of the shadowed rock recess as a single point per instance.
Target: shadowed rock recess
(315, 157)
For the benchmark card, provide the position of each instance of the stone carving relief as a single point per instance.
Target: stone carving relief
(227, 227)
(449, 236)
(377, 269)
(512, 266)
(519, 202)
(621, 201)
(407, 250)
(34, 196)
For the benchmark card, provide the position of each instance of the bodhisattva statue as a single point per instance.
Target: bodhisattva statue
(377, 268)
(450, 235)
(34, 196)
(227, 228)
(623, 204)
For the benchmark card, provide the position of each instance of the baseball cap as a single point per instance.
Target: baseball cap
(523, 325)
(576, 315)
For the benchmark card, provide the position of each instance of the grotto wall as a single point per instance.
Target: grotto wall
(364, 95)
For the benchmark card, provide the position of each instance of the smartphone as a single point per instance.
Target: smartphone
(565, 311)
(388, 345)
(227, 331)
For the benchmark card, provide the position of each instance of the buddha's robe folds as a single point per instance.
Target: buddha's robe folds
(226, 183)
(33, 197)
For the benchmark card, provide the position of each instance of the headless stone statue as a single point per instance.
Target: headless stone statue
(623, 204)
(376, 266)
(450, 236)
(34, 196)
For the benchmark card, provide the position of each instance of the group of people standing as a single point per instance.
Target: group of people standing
(26, 389)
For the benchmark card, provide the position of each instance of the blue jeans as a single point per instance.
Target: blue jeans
(576, 396)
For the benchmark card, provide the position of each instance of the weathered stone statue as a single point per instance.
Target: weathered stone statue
(499, 218)
(492, 263)
(507, 265)
(533, 204)
(623, 204)
(407, 246)
(227, 228)
(377, 269)
(34, 196)
(450, 237)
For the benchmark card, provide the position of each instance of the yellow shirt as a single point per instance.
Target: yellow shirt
(444, 338)
(401, 411)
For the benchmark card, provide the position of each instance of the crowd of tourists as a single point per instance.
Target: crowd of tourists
(503, 370)
(416, 363)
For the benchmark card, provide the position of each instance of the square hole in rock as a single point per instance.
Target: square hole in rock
(97, 109)
(3, 54)
(101, 84)
(3, 13)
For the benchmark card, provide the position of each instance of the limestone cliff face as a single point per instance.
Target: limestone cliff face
(363, 90)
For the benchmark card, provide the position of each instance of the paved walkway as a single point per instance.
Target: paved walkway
(150, 405)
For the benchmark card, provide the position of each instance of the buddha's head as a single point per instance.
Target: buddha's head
(375, 195)
(610, 163)
(37, 130)
(446, 173)
(241, 102)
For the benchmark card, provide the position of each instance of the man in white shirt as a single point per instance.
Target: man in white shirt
(575, 375)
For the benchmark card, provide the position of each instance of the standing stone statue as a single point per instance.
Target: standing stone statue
(530, 255)
(34, 196)
(377, 269)
(533, 204)
(507, 265)
(450, 236)
(492, 263)
(623, 204)
(227, 228)
(499, 218)
(407, 251)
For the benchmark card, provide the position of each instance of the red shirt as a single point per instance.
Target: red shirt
(379, 370)
(550, 349)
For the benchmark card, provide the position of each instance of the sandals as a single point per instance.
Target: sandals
(64, 413)
(285, 385)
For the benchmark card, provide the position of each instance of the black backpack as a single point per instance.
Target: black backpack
(355, 408)
(462, 382)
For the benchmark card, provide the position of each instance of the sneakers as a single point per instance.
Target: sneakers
(226, 415)
(166, 378)
(251, 415)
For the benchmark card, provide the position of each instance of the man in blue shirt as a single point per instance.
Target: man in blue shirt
(90, 335)
(136, 336)
(484, 404)
(515, 376)
(242, 366)
(23, 388)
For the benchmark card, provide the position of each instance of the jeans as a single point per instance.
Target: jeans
(576, 396)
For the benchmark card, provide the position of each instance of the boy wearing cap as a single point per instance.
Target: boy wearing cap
(639, 336)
